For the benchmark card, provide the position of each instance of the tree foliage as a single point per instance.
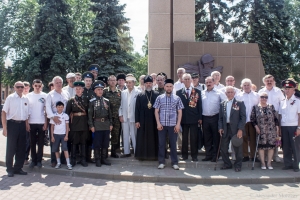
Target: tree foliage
(106, 48)
(212, 20)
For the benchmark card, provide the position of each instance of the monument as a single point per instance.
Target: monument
(172, 44)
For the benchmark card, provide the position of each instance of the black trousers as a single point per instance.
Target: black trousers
(291, 146)
(16, 145)
(27, 148)
(211, 135)
(36, 138)
(193, 130)
(101, 139)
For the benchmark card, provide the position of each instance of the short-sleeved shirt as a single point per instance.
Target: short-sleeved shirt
(52, 98)
(211, 102)
(168, 106)
(37, 103)
(275, 96)
(60, 129)
(289, 110)
(16, 107)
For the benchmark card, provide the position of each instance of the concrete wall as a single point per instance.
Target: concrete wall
(238, 60)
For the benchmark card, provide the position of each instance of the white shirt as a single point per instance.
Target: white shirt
(52, 98)
(274, 96)
(16, 107)
(211, 102)
(154, 87)
(219, 86)
(177, 86)
(188, 90)
(250, 99)
(70, 90)
(37, 104)
(200, 86)
(289, 112)
(60, 129)
(228, 109)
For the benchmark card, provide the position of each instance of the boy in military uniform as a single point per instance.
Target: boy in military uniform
(113, 94)
(100, 123)
(77, 108)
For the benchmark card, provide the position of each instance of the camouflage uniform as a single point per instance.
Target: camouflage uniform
(114, 98)
(160, 90)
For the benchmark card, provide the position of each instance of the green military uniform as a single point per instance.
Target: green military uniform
(115, 101)
(160, 90)
(100, 117)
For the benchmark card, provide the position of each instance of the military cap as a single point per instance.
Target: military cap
(195, 75)
(79, 84)
(148, 79)
(87, 75)
(236, 142)
(121, 76)
(98, 84)
(70, 75)
(94, 67)
(288, 84)
(103, 78)
(162, 74)
(169, 81)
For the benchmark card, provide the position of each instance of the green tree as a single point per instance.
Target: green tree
(53, 50)
(139, 64)
(212, 20)
(104, 48)
(265, 22)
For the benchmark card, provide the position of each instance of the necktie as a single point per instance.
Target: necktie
(187, 92)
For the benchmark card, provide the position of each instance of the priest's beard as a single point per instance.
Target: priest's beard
(148, 89)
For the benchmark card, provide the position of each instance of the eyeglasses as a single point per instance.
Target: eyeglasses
(18, 87)
(263, 97)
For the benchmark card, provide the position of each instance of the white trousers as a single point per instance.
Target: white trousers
(129, 132)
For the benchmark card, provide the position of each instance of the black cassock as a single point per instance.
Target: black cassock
(147, 138)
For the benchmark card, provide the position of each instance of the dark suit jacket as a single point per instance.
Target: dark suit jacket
(190, 115)
(237, 117)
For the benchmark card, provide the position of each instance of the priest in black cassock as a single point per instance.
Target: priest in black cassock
(147, 138)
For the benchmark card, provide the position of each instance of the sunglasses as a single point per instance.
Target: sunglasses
(18, 87)
(263, 97)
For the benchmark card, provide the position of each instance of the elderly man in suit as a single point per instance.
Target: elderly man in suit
(127, 114)
(232, 120)
(191, 117)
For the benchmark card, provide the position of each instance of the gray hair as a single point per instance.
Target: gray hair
(57, 77)
(229, 88)
(209, 77)
(229, 77)
(181, 69)
(215, 72)
(186, 74)
(246, 80)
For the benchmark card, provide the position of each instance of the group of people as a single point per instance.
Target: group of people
(92, 113)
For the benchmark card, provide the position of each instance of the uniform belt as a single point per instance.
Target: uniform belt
(16, 121)
(101, 119)
(79, 114)
(210, 115)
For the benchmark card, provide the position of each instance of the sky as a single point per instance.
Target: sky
(137, 12)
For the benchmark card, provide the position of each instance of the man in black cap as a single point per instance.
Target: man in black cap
(88, 79)
(77, 108)
(196, 83)
(100, 123)
(168, 113)
(289, 115)
(104, 79)
(94, 69)
(121, 78)
(147, 138)
(191, 117)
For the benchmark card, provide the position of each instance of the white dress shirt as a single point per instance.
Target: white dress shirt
(70, 90)
(52, 98)
(177, 86)
(274, 96)
(250, 99)
(219, 86)
(16, 107)
(289, 110)
(211, 102)
(228, 110)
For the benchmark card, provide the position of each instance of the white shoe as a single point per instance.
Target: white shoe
(175, 167)
(58, 165)
(161, 166)
(69, 167)
(270, 167)
(263, 168)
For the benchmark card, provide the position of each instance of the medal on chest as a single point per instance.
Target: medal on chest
(193, 98)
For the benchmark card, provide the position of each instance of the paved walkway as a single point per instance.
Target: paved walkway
(43, 186)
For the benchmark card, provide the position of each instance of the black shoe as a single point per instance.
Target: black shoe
(195, 159)
(84, 163)
(20, 172)
(31, 165)
(125, 155)
(256, 160)
(225, 167)
(245, 159)
(39, 165)
(183, 158)
(287, 168)
(207, 159)
(214, 160)
(98, 157)
(296, 170)
(10, 174)
(103, 157)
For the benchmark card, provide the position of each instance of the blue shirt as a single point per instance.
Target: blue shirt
(168, 106)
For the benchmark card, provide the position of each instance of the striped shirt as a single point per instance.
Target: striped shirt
(168, 106)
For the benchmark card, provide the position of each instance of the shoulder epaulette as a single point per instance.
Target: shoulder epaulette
(93, 99)
(105, 99)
